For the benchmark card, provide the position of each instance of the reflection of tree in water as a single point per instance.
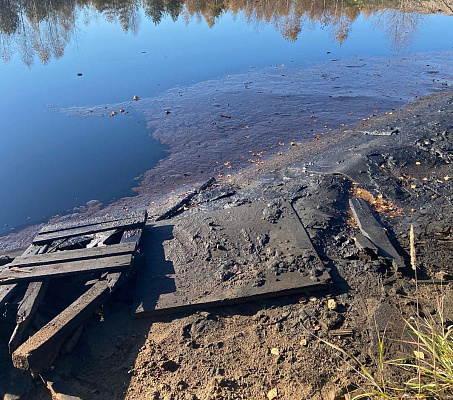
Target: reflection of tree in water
(400, 26)
(45, 27)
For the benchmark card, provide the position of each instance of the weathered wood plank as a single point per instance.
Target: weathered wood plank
(93, 221)
(39, 351)
(374, 231)
(37, 273)
(106, 226)
(27, 308)
(74, 255)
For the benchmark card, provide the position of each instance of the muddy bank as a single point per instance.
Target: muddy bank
(402, 165)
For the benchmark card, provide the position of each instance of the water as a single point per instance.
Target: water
(52, 161)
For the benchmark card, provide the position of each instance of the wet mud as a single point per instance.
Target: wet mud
(221, 126)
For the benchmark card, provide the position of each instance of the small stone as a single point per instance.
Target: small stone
(272, 394)
(331, 304)
(302, 300)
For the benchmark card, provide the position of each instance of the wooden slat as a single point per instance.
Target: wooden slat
(27, 308)
(84, 230)
(39, 351)
(74, 255)
(38, 273)
(6, 291)
(93, 221)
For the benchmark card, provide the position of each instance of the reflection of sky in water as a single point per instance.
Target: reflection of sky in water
(117, 65)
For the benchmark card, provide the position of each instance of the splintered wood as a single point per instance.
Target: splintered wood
(95, 255)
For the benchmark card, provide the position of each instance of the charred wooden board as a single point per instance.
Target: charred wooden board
(374, 231)
(92, 221)
(74, 255)
(129, 223)
(225, 257)
(38, 273)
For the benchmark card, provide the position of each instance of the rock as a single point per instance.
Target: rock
(331, 304)
(272, 394)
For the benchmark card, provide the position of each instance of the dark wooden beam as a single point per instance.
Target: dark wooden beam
(40, 350)
(74, 255)
(27, 308)
(93, 221)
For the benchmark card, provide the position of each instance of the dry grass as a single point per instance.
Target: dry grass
(428, 367)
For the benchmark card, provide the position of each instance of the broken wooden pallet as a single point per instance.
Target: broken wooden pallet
(110, 244)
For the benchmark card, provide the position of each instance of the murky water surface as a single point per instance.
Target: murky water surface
(237, 78)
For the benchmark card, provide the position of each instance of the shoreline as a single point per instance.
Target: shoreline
(300, 153)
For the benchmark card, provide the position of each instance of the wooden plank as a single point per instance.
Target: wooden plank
(181, 274)
(84, 230)
(129, 237)
(374, 231)
(74, 255)
(39, 351)
(6, 291)
(141, 214)
(38, 273)
(27, 308)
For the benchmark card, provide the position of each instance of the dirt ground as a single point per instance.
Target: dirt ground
(401, 164)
